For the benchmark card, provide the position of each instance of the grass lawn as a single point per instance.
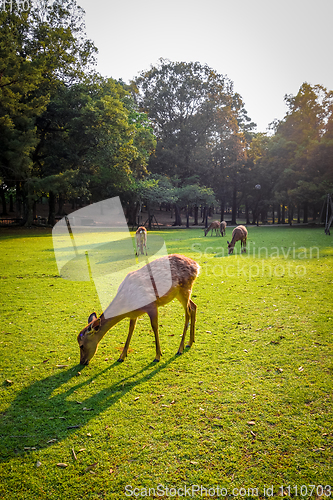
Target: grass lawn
(247, 409)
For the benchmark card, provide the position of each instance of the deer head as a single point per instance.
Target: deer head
(88, 340)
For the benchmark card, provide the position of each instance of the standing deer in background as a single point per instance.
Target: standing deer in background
(141, 240)
(214, 226)
(239, 233)
(223, 226)
(137, 283)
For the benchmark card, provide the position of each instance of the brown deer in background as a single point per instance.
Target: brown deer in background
(239, 233)
(137, 284)
(223, 226)
(214, 226)
(141, 240)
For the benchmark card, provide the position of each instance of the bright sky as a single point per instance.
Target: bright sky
(268, 48)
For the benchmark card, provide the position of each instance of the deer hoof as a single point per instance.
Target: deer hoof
(120, 360)
(156, 360)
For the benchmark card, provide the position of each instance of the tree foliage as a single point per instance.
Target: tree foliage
(294, 166)
(179, 134)
(37, 52)
(64, 133)
(200, 123)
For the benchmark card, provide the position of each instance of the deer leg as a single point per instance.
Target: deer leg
(128, 340)
(184, 299)
(153, 315)
(182, 342)
(193, 313)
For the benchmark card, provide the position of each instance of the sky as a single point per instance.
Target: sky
(268, 48)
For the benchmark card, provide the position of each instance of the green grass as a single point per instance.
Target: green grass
(263, 354)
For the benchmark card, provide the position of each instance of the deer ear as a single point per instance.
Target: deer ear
(93, 326)
(92, 317)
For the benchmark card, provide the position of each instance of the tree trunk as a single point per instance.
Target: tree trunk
(3, 200)
(254, 215)
(283, 214)
(273, 218)
(305, 216)
(298, 214)
(11, 203)
(204, 215)
(132, 212)
(290, 214)
(27, 206)
(178, 219)
(51, 218)
(247, 213)
(61, 202)
(18, 199)
(279, 213)
(196, 216)
(222, 209)
(187, 217)
(234, 205)
(149, 216)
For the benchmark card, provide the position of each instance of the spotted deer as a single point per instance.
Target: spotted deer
(223, 226)
(141, 240)
(214, 226)
(239, 233)
(177, 270)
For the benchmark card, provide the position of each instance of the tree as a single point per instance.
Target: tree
(58, 34)
(192, 196)
(306, 153)
(93, 133)
(20, 76)
(257, 186)
(38, 49)
(229, 145)
(180, 99)
(200, 123)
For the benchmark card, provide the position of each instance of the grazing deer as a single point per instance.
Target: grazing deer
(137, 284)
(214, 226)
(141, 240)
(239, 233)
(223, 226)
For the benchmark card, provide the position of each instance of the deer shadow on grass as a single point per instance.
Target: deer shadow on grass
(47, 411)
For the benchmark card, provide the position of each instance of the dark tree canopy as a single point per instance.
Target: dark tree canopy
(181, 100)
(178, 134)
(65, 130)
